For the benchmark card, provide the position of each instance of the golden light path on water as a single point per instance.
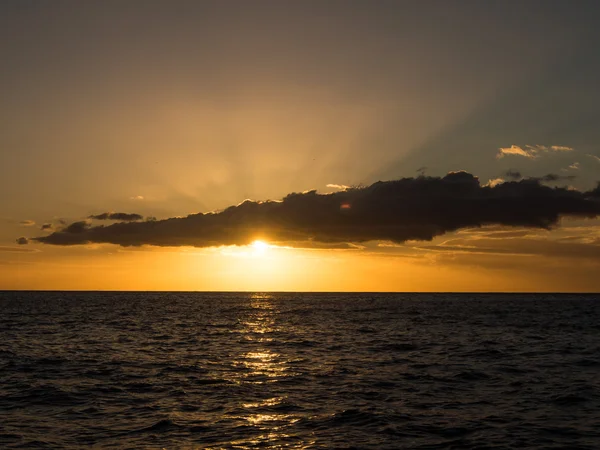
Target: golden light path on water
(266, 367)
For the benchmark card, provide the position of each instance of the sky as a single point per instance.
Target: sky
(300, 146)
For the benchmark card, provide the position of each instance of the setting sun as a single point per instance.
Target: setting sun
(259, 247)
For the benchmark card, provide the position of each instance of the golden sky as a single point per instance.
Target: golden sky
(165, 110)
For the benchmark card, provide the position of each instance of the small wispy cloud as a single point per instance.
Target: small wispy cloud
(513, 174)
(597, 158)
(137, 197)
(574, 166)
(125, 217)
(495, 182)
(553, 178)
(6, 248)
(27, 223)
(514, 150)
(531, 151)
(341, 187)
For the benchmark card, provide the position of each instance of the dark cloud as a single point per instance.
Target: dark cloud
(77, 227)
(549, 178)
(513, 174)
(46, 226)
(125, 217)
(22, 240)
(595, 192)
(407, 209)
(552, 177)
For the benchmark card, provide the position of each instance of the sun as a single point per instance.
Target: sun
(259, 247)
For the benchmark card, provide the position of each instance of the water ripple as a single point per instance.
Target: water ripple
(188, 370)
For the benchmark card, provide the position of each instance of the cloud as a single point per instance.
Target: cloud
(595, 193)
(513, 174)
(597, 158)
(520, 246)
(137, 197)
(574, 166)
(46, 226)
(125, 217)
(530, 151)
(495, 182)
(27, 223)
(483, 230)
(514, 150)
(341, 187)
(8, 249)
(407, 209)
(504, 234)
(22, 240)
(579, 239)
(552, 177)
(77, 227)
(549, 178)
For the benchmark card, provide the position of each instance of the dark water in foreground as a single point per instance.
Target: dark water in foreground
(190, 370)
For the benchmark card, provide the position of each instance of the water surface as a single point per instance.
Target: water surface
(215, 370)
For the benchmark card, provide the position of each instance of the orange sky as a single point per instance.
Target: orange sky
(166, 109)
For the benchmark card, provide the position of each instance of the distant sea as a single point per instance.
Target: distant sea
(139, 370)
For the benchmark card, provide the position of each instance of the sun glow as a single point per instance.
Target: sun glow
(259, 248)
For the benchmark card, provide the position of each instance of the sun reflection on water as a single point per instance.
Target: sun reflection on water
(258, 327)
(263, 366)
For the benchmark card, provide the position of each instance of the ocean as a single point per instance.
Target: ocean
(153, 370)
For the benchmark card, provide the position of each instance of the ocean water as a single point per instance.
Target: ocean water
(243, 370)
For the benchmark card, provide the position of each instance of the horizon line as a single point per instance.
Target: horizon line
(302, 292)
